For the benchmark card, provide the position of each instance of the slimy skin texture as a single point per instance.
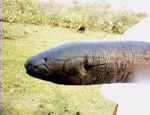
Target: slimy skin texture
(86, 63)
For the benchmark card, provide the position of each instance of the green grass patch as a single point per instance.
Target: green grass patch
(24, 95)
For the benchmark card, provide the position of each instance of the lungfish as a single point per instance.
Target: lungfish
(85, 63)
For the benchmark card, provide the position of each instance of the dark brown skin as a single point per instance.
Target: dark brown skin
(85, 63)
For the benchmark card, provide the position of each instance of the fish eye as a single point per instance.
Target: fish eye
(45, 59)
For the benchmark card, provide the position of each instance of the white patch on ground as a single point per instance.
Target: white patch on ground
(132, 99)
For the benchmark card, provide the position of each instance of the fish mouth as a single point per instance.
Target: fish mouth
(51, 76)
(43, 72)
(40, 71)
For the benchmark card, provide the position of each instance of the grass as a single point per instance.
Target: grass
(25, 95)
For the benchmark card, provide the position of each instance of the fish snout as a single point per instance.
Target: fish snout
(35, 62)
(37, 68)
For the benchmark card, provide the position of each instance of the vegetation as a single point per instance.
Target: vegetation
(99, 17)
(25, 95)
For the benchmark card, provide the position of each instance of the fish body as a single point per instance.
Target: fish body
(86, 63)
